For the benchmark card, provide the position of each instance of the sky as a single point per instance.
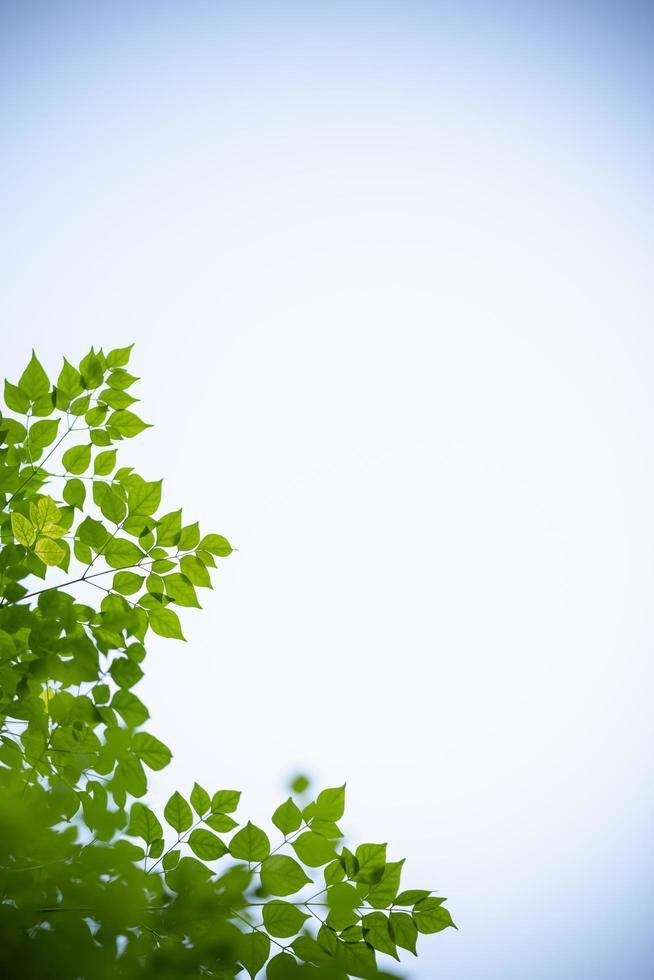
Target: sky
(387, 267)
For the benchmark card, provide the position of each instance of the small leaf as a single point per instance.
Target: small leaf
(178, 813)
(430, 917)
(216, 544)
(49, 551)
(287, 817)
(24, 533)
(314, 850)
(34, 381)
(130, 708)
(104, 463)
(127, 423)
(165, 622)
(44, 433)
(206, 845)
(119, 357)
(127, 583)
(282, 919)
(330, 804)
(15, 399)
(377, 933)
(75, 493)
(411, 896)
(225, 800)
(200, 800)
(195, 571)
(372, 860)
(144, 823)
(253, 949)
(151, 751)
(282, 875)
(170, 860)
(403, 930)
(76, 459)
(250, 844)
(220, 822)
(121, 553)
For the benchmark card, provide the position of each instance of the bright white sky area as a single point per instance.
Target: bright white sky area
(388, 271)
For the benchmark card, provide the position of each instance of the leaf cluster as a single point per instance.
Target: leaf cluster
(93, 881)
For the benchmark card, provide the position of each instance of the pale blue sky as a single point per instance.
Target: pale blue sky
(387, 266)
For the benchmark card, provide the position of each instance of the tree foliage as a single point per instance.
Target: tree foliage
(94, 883)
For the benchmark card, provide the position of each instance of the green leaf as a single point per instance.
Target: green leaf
(169, 529)
(314, 850)
(220, 822)
(170, 860)
(143, 823)
(130, 708)
(282, 875)
(429, 916)
(127, 423)
(81, 405)
(77, 459)
(127, 583)
(206, 845)
(253, 949)
(49, 551)
(225, 800)
(119, 357)
(178, 813)
(330, 804)
(115, 398)
(334, 873)
(143, 498)
(91, 370)
(23, 531)
(300, 783)
(180, 590)
(403, 930)
(377, 933)
(326, 828)
(165, 622)
(15, 399)
(93, 533)
(121, 553)
(250, 844)
(287, 817)
(34, 381)
(121, 379)
(69, 383)
(43, 433)
(343, 900)
(151, 751)
(200, 800)
(189, 537)
(282, 919)
(411, 896)
(372, 860)
(216, 544)
(125, 672)
(113, 507)
(104, 462)
(100, 438)
(75, 493)
(195, 571)
(281, 967)
(384, 891)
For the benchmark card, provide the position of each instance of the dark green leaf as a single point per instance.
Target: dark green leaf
(143, 823)
(429, 916)
(130, 708)
(403, 930)
(377, 933)
(225, 800)
(253, 951)
(372, 860)
(151, 751)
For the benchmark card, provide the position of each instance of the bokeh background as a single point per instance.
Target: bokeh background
(388, 270)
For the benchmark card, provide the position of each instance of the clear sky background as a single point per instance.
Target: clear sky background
(388, 270)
